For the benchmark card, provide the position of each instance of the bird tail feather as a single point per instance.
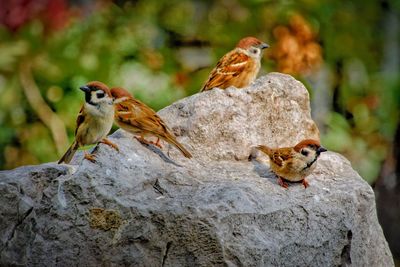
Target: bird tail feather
(179, 146)
(264, 149)
(69, 154)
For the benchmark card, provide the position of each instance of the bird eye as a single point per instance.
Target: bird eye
(100, 95)
(304, 152)
(254, 51)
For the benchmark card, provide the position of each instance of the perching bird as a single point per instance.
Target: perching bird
(137, 118)
(94, 121)
(294, 163)
(238, 67)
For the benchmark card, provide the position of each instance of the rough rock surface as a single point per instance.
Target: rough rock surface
(150, 207)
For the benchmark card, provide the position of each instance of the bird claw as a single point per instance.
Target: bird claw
(305, 183)
(144, 141)
(158, 143)
(109, 143)
(90, 157)
(282, 183)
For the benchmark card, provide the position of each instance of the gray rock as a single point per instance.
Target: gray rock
(149, 207)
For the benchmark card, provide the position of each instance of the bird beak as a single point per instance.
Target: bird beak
(321, 149)
(85, 88)
(263, 45)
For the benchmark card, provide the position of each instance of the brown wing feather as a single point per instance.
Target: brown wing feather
(229, 66)
(80, 119)
(280, 156)
(138, 115)
(145, 120)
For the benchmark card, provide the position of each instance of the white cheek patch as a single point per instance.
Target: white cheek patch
(93, 97)
(96, 99)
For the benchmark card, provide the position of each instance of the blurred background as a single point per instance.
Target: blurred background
(347, 53)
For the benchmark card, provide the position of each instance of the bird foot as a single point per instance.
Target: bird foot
(142, 140)
(158, 143)
(282, 183)
(305, 183)
(147, 142)
(109, 143)
(90, 157)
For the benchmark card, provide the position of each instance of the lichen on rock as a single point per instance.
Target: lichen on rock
(103, 219)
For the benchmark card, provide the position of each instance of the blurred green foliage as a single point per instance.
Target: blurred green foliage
(163, 50)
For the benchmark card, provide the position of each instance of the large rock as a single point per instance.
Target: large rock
(150, 207)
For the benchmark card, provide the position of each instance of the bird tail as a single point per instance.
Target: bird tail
(171, 139)
(264, 149)
(69, 154)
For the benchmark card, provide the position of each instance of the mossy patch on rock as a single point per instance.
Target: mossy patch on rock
(104, 219)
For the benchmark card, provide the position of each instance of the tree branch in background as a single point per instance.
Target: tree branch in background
(39, 105)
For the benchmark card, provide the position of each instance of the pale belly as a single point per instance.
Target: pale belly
(247, 77)
(95, 129)
(129, 128)
(293, 175)
(95, 133)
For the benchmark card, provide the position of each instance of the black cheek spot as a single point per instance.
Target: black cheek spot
(100, 95)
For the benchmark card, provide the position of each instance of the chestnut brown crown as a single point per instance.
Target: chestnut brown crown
(250, 41)
(314, 144)
(94, 86)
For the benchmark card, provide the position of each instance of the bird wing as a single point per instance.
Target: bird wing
(229, 66)
(80, 118)
(136, 117)
(281, 156)
(136, 114)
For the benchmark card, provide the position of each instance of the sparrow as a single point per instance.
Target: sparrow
(294, 163)
(238, 67)
(94, 121)
(137, 118)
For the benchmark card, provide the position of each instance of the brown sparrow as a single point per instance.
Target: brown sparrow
(94, 121)
(294, 163)
(137, 118)
(238, 67)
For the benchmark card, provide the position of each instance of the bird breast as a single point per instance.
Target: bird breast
(96, 126)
